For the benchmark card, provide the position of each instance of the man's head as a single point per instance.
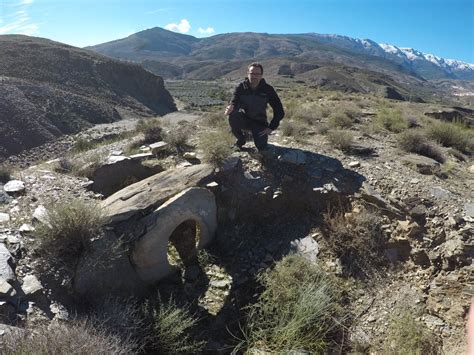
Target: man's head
(255, 73)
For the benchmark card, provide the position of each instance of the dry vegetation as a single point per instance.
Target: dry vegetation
(298, 310)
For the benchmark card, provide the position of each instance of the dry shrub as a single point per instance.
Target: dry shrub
(340, 139)
(172, 328)
(405, 335)
(340, 119)
(452, 135)
(357, 239)
(297, 311)
(216, 146)
(291, 128)
(70, 227)
(80, 337)
(82, 145)
(215, 119)
(389, 119)
(5, 174)
(415, 141)
(151, 129)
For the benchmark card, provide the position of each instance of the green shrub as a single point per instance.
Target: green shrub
(171, 330)
(340, 139)
(64, 338)
(297, 311)
(452, 135)
(151, 129)
(357, 239)
(5, 174)
(389, 119)
(415, 141)
(70, 227)
(407, 336)
(216, 146)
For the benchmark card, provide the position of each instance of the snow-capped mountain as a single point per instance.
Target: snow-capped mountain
(428, 66)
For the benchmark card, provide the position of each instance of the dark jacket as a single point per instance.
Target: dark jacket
(254, 102)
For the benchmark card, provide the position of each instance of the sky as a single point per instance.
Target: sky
(444, 28)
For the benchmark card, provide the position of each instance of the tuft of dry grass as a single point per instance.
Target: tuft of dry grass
(151, 129)
(415, 141)
(357, 239)
(172, 328)
(340, 139)
(297, 311)
(453, 135)
(80, 337)
(70, 228)
(405, 335)
(389, 119)
(216, 146)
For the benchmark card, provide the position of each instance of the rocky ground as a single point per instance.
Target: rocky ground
(428, 218)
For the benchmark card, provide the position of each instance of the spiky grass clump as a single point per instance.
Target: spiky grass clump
(69, 229)
(405, 335)
(171, 330)
(216, 146)
(297, 311)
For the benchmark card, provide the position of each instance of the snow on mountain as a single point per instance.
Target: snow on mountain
(413, 54)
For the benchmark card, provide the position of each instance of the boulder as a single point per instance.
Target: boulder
(118, 173)
(153, 191)
(423, 165)
(14, 186)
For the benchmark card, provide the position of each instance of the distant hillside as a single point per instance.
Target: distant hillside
(162, 46)
(48, 89)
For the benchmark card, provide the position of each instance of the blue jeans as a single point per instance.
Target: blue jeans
(238, 122)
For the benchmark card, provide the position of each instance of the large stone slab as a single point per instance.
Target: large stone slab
(150, 253)
(154, 191)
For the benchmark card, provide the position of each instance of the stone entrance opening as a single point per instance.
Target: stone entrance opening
(182, 244)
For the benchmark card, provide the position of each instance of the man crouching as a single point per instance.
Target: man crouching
(248, 108)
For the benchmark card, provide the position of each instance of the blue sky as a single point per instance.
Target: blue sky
(444, 28)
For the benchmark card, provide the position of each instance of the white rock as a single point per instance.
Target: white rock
(14, 186)
(25, 228)
(41, 214)
(31, 285)
(115, 158)
(4, 217)
(354, 164)
(158, 146)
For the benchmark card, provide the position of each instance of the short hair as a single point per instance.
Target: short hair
(255, 64)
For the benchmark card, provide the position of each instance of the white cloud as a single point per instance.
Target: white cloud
(19, 21)
(182, 27)
(151, 12)
(208, 30)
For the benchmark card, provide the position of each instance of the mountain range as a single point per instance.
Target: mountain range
(178, 56)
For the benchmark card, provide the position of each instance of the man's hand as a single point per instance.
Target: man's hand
(265, 132)
(228, 110)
